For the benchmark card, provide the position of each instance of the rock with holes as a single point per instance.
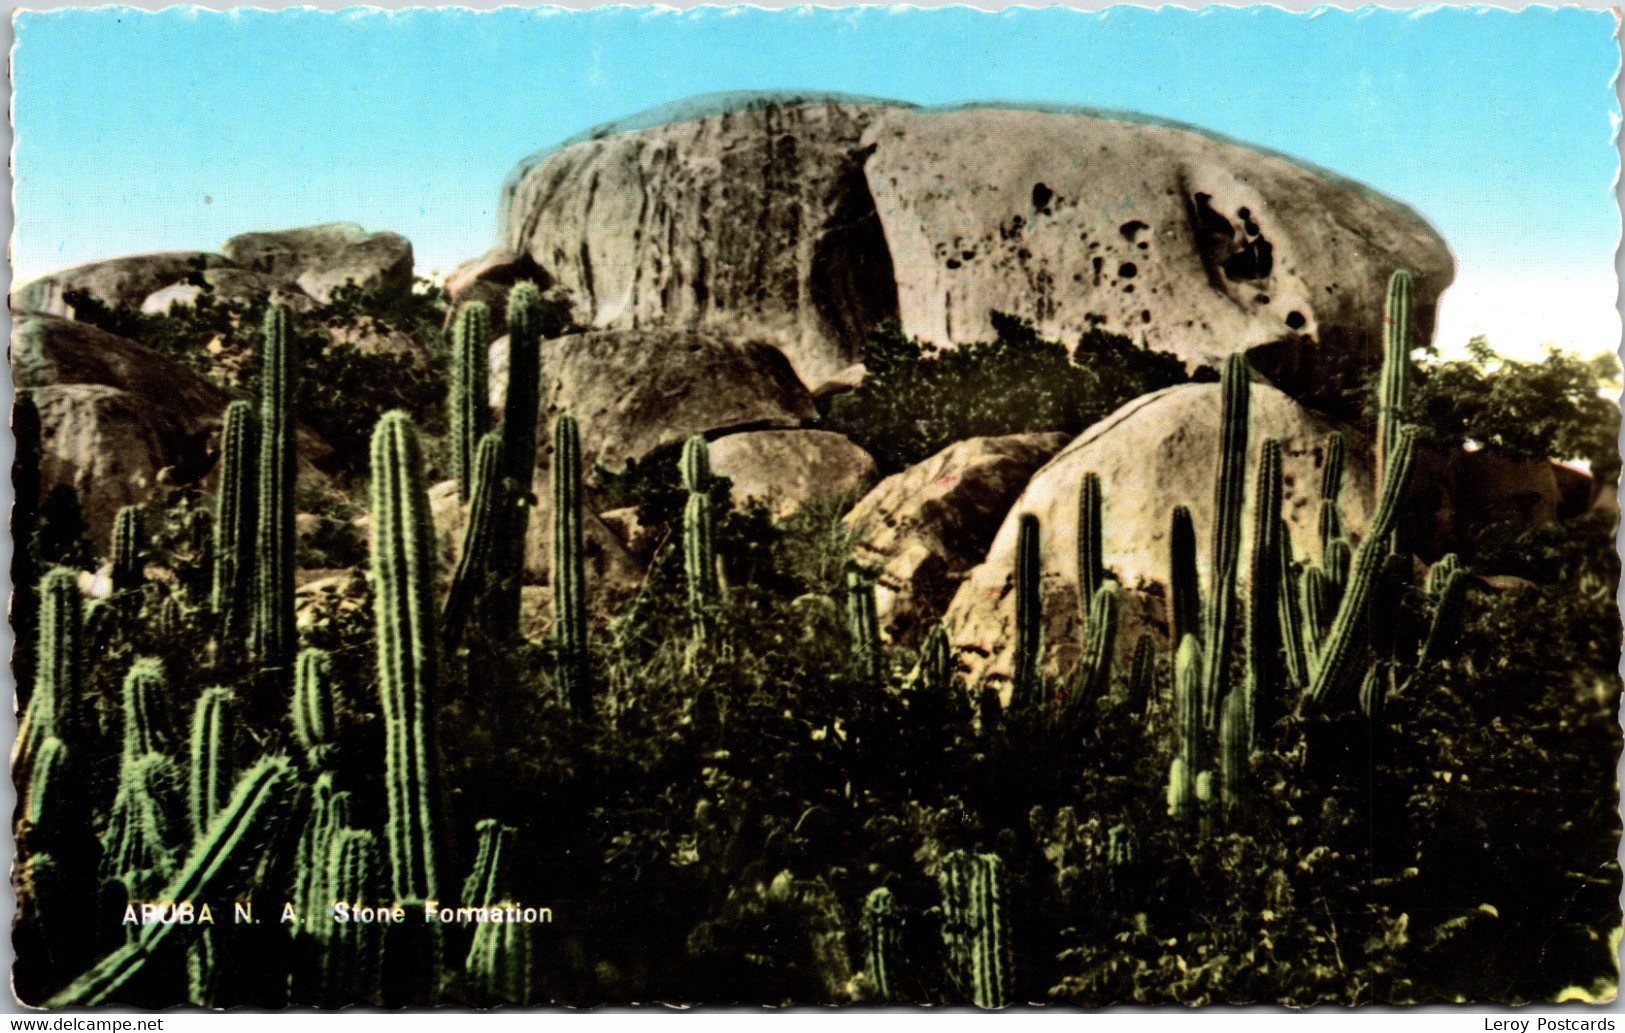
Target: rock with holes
(1184, 240)
(1154, 453)
(927, 526)
(127, 281)
(788, 469)
(320, 259)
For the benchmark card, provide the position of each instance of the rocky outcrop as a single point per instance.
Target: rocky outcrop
(229, 286)
(787, 469)
(1154, 453)
(118, 281)
(320, 259)
(927, 526)
(491, 276)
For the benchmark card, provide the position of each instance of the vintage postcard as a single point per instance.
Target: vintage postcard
(547, 507)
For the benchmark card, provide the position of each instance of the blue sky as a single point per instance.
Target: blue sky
(141, 131)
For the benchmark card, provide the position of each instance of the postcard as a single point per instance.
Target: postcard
(858, 506)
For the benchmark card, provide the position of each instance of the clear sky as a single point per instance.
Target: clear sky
(142, 131)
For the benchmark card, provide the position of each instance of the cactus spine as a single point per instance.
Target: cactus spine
(881, 937)
(127, 566)
(25, 522)
(863, 623)
(974, 927)
(144, 732)
(1028, 687)
(1263, 681)
(569, 568)
(1227, 510)
(235, 517)
(470, 390)
(53, 708)
(699, 539)
(209, 786)
(520, 412)
(1100, 648)
(313, 707)
(403, 585)
(273, 636)
(470, 579)
(1186, 592)
(1091, 547)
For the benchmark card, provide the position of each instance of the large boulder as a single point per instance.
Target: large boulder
(788, 469)
(927, 526)
(320, 259)
(748, 213)
(1186, 241)
(1156, 452)
(115, 282)
(229, 286)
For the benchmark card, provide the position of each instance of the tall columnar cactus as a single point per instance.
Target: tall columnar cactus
(1028, 686)
(520, 412)
(210, 773)
(47, 784)
(498, 961)
(1094, 677)
(353, 959)
(569, 568)
(1091, 538)
(53, 709)
(403, 567)
(25, 522)
(127, 564)
(145, 728)
(472, 576)
(1228, 493)
(1337, 653)
(216, 867)
(1142, 680)
(1186, 591)
(975, 929)
(1445, 627)
(1335, 565)
(863, 623)
(936, 669)
(273, 636)
(881, 938)
(1263, 678)
(313, 725)
(1396, 366)
(699, 539)
(1191, 757)
(470, 390)
(1331, 489)
(147, 829)
(1374, 692)
(235, 518)
(1236, 749)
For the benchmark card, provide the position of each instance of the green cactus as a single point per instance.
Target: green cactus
(148, 828)
(353, 957)
(471, 578)
(1335, 565)
(498, 961)
(487, 879)
(470, 390)
(1444, 630)
(53, 708)
(1185, 586)
(403, 567)
(1091, 541)
(1374, 692)
(25, 525)
(1191, 753)
(47, 782)
(1439, 575)
(975, 929)
(1028, 686)
(699, 539)
(863, 623)
(128, 567)
(1229, 489)
(313, 726)
(1262, 684)
(145, 729)
(209, 785)
(273, 637)
(235, 519)
(313, 897)
(1337, 653)
(1395, 389)
(1331, 489)
(1289, 612)
(1094, 677)
(216, 867)
(520, 414)
(569, 569)
(882, 935)
(1141, 686)
(936, 670)
(1236, 749)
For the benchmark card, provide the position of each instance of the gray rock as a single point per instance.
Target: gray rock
(320, 259)
(788, 469)
(118, 281)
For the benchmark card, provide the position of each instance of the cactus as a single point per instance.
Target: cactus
(471, 577)
(863, 624)
(1186, 591)
(498, 961)
(328, 813)
(1337, 652)
(1191, 758)
(353, 959)
(470, 390)
(145, 729)
(1334, 563)
(128, 570)
(569, 568)
(1094, 677)
(273, 638)
(974, 927)
(881, 938)
(1445, 627)
(1142, 680)
(47, 781)
(1331, 489)
(520, 413)
(936, 670)
(1091, 547)
(1395, 389)
(1236, 748)
(699, 539)
(1228, 490)
(25, 524)
(209, 785)
(487, 880)
(403, 567)
(1120, 864)
(214, 869)
(1028, 687)
(235, 517)
(53, 708)
(1263, 679)
(147, 828)
(313, 726)
(1440, 573)
(1289, 614)
(1374, 692)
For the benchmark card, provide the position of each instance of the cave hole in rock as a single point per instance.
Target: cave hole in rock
(1128, 270)
(1042, 196)
(1132, 229)
(1100, 263)
(1295, 320)
(1145, 317)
